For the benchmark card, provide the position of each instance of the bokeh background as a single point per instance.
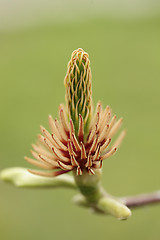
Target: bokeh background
(122, 38)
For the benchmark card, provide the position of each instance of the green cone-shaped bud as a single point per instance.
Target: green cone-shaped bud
(79, 89)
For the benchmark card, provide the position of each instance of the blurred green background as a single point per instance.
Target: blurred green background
(123, 42)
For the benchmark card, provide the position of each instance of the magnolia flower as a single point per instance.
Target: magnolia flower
(78, 142)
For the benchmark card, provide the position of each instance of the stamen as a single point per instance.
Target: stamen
(60, 130)
(79, 171)
(53, 163)
(47, 143)
(38, 164)
(94, 126)
(105, 145)
(105, 118)
(112, 122)
(47, 174)
(97, 164)
(108, 154)
(105, 112)
(103, 133)
(83, 151)
(90, 171)
(94, 144)
(92, 134)
(73, 161)
(75, 142)
(97, 154)
(63, 118)
(53, 126)
(97, 114)
(41, 150)
(59, 143)
(48, 136)
(116, 127)
(89, 161)
(35, 155)
(60, 156)
(108, 115)
(70, 149)
(64, 166)
(71, 128)
(119, 139)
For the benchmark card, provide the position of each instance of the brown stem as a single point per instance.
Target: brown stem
(141, 200)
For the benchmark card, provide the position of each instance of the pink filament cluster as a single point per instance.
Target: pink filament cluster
(62, 151)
